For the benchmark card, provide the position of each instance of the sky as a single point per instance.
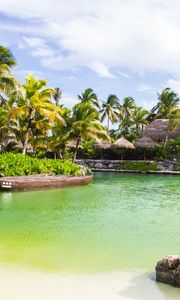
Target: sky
(122, 47)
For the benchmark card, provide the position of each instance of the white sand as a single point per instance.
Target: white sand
(16, 284)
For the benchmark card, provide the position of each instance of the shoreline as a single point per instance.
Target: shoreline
(19, 284)
(138, 172)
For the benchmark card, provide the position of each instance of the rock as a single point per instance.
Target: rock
(98, 166)
(111, 166)
(168, 270)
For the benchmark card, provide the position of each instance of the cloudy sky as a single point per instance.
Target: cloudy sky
(125, 47)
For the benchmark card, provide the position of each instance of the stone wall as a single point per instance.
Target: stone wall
(115, 165)
(104, 165)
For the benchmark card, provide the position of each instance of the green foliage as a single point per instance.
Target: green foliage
(18, 165)
(176, 166)
(138, 166)
(88, 151)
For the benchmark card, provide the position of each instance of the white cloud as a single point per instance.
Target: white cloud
(174, 84)
(101, 69)
(123, 74)
(36, 46)
(32, 42)
(136, 35)
(145, 88)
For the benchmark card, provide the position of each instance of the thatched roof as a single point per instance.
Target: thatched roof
(123, 143)
(145, 142)
(72, 144)
(19, 145)
(102, 145)
(157, 130)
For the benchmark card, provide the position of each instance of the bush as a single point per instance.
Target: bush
(138, 166)
(176, 166)
(18, 165)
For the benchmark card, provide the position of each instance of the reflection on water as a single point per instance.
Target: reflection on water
(121, 221)
(6, 199)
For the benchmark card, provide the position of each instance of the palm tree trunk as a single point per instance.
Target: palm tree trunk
(76, 149)
(27, 134)
(137, 129)
(108, 124)
(166, 141)
(26, 142)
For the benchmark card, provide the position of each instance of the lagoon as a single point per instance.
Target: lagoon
(119, 224)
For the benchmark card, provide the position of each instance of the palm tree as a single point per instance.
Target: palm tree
(61, 135)
(57, 95)
(110, 109)
(127, 108)
(168, 101)
(35, 107)
(86, 124)
(139, 118)
(89, 96)
(7, 61)
(173, 123)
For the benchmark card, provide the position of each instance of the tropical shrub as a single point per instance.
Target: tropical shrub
(18, 165)
(138, 166)
(176, 166)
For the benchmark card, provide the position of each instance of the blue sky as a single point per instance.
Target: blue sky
(124, 47)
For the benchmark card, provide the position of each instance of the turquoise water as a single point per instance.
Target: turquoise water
(120, 221)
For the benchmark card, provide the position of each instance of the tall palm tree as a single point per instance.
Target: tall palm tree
(127, 108)
(139, 118)
(86, 124)
(35, 104)
(168, 101)
(7, 61)
(89, 96)
(57, 95)
(110, 109)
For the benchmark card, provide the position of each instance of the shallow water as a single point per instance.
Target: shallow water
(121, 221)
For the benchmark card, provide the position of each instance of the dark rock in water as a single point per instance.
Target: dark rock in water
(168, 270)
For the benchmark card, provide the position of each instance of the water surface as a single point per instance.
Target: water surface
(120, 222)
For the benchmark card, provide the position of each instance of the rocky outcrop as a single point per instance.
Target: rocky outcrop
(168, 270)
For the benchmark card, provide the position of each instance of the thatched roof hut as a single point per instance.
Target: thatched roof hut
(122, 143)
(102, 145)
(145, 142)
(72, 144)
(19, 146)
(157, 130)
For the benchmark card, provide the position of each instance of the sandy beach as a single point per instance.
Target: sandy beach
(16, 284)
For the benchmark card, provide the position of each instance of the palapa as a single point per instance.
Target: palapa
(72, 144)
(145, 142)
(102, 145)
(122, 143)
(158, 130)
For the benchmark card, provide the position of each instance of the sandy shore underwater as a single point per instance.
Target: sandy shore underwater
(16, 284)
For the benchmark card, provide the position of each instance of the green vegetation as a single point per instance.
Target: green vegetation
(138, 166)
(176, 166)
(18, 164)
(34, 121)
